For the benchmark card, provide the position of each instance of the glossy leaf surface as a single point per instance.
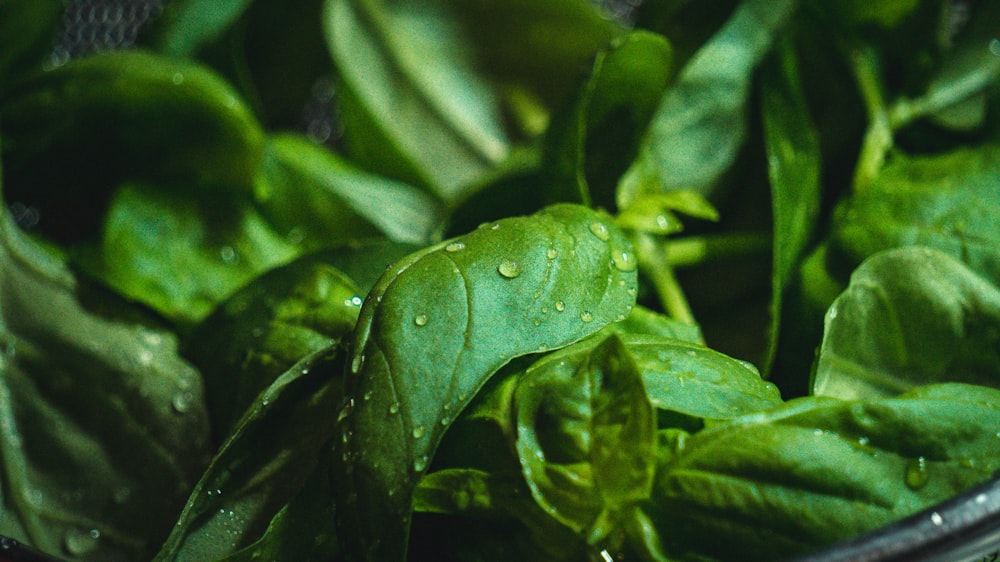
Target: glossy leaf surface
(437, 326)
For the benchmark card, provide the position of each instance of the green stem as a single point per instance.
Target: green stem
(697, 250)
(653, 259)
(878, 139)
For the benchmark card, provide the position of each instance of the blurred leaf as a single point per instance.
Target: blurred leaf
(185, 26)
(265, 328)
(27, 34)
(591, 144)
(263, 464)
(700, 124)
(910, 316)
(103, 428)
(312, 192)
(420, 111)
(182, 255)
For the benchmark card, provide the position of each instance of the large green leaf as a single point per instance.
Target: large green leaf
(103, 428)
(700, 126)
(818, 470)
(949, 202)
(263, 464)
(586, 437)
(436, 328)
(420, 111)
(909, 317)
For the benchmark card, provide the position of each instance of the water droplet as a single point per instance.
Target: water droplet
(586, 316)
(229, 255)
(495, 226)
(356, 300)
(545, 310)
(454, 247)
(357, 363)
(345, 410)
(418, 432)
(832, 313)
(551, 253)
(419, 464)
(80, 542)
(393, 408)
(543, 347)
(600, 230)
(180, 402)
(624, 260)
(560, 306)
(420, 320)
(509, 269)
(367, 396)
(177, 79)
(937, 519)
(144, 357)
(916, 473)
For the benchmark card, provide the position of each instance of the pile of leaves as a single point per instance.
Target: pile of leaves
(531, 294)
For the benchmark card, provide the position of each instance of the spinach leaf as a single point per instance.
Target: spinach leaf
(794, 162)
(103, 428)
(949, 202)
(585, 437)
(700, 124)
(265, 328)
(910, 316)
(774, 484)
(591, 144)
(181, 254)
(439, 324)
(263, 464)
(414, 106)
(310, 192)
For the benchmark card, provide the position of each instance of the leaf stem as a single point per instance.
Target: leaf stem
(696, 250)
(878, 139)
(655, 263)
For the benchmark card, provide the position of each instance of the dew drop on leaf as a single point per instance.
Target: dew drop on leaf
(624, 260)
(420, 463)
(394, 408)
(586, 316)
(454, 247)
(600, 230)
(79, 542)
(916, 473)
(418, 432)
(180, 402)
(560, 306)
(357, 363)
(420, 320)
(509, 269)
(551, 253)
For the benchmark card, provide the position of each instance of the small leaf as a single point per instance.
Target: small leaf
(585, 436)
(509, 288)
(910, 317)
(700, 124)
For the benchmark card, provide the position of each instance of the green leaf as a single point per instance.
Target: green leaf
(265, 328)
(420, 111)
(180, 254)
(949, 202)
(642, 320)
(794, 164)
(27, 34)
(699, 126)
(774, 484)
(310, 191)
(910, 316)
(589, 146)
(103, 428)
(74, 133)
(585, 437)
(436, 328)
(185, 26)
(262, 465)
